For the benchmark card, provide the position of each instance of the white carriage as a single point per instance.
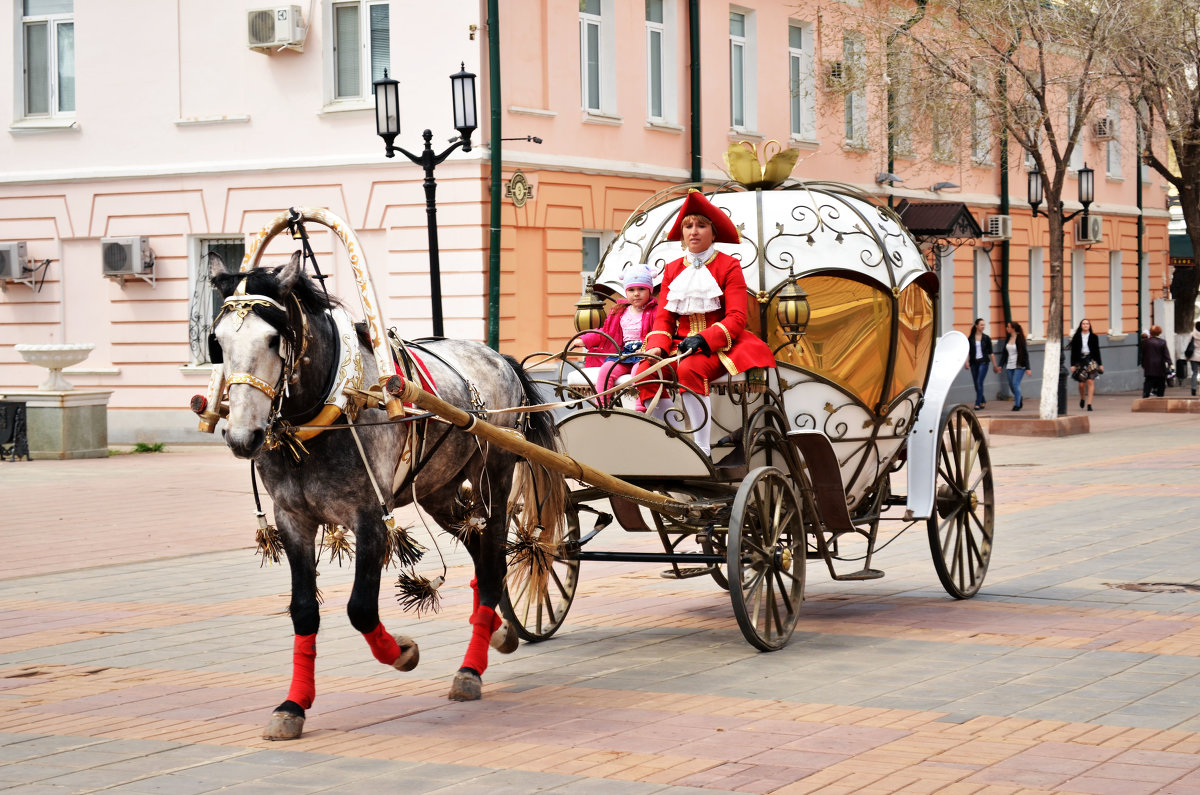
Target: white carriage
(808, 456)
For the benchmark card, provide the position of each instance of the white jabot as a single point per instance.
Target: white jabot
(695, 291)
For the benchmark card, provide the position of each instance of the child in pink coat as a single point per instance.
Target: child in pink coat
(627, 324)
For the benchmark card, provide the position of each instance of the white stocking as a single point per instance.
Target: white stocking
(699, 410)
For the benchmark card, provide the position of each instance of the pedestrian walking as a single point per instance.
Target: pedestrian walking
(1086, 364)
(1192, 354)
(979, 357)
(1156, 361)
(1014, 361)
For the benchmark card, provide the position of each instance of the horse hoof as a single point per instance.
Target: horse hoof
(467, 686)
(284, 726)
(505, 638)
(410, 654)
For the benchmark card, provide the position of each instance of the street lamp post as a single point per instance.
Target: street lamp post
(1087, 195)
(387, 126)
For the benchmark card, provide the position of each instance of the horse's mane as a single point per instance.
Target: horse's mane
(265, 281)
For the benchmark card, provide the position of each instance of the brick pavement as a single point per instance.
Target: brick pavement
(142, 648)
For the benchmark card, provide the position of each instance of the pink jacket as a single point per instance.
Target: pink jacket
(598, 344)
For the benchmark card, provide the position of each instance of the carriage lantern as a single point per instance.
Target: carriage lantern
(792, 309)
(589, 309)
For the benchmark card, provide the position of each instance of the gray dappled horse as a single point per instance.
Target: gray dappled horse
(280, 352)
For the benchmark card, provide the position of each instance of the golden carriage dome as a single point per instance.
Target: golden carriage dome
(870, 290)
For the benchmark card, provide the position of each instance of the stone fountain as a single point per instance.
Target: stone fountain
(62, 421)
(55, 358)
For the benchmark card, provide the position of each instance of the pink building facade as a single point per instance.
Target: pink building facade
(190, 140)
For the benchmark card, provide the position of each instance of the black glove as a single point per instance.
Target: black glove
(694, 343)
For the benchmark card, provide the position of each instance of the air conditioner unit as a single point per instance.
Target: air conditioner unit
(273, 28)
(1089, 229)
(1102, 130)
(12, 261)
(126, 256)
(835, 75)
(997, 227)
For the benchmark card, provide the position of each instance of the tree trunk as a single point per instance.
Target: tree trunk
(1186, 281)
(1048, 408)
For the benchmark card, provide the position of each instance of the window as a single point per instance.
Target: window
(654, 59)
(597, 57)
(593, 245)
(1076, 161)
(589, 53)
(48, 47)
(943, 134)
(901, 121)
(1077, 306)
(737, 70)
(981, 123)
(742, 88)
(1113, 147)
(205, 301)
(802, 90)
(855, 101)
(1037, 278)
(361, 48)
(1114, 292)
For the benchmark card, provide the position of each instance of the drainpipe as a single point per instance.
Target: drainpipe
(1004, 208)
(493, 314)
(891, 116)
(694, 81)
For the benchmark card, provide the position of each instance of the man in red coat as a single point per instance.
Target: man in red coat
(702, 310)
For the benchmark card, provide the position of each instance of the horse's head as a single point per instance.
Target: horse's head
(253, 341)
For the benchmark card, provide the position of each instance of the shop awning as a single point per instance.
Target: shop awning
(1181, 250)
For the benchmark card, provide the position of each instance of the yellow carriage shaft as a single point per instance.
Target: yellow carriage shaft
(409, 392)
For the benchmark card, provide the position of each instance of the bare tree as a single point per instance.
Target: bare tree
(1037, 69)
(1159, 60)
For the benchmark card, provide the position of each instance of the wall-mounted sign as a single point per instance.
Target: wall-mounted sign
(519, 190)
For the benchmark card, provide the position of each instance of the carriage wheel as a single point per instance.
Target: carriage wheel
(766, 558)
(541, 579)
(961, 527)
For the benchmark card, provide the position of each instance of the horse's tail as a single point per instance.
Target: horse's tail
(534, 485)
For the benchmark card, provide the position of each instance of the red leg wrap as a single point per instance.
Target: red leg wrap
(382, 644)
(484, 622)
(304, 663)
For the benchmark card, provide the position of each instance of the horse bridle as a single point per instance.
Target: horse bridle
(241, 303)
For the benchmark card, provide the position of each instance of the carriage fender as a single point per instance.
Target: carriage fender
(948, 357)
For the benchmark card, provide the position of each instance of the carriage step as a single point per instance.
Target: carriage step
(686, 572)
(862, 574)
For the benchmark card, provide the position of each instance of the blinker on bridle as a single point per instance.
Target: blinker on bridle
(240, 303)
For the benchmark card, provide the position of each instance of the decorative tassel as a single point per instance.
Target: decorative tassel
(417, 593)
(472, 517)
(338, 540)
(269, 541)
(531, 552)
(399, 545)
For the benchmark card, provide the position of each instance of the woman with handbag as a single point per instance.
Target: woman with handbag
(1086, 364)
(1192, 354)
